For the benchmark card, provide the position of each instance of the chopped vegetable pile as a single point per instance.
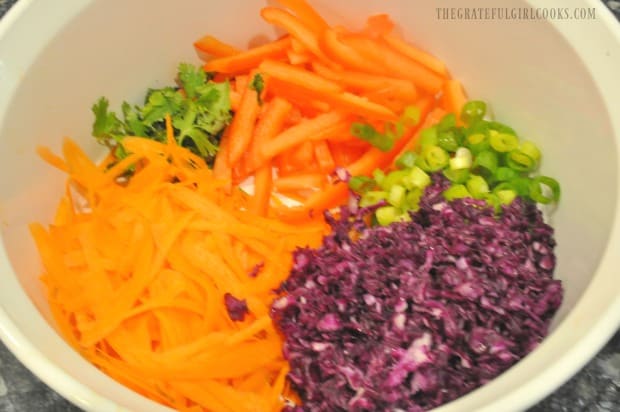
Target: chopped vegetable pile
(321, 222)
(165, 282)
(414, 314)
(485, 160)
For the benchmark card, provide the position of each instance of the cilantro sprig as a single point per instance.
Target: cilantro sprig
(199, 108)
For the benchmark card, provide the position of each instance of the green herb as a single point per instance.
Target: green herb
(258, 84)
(199, 108)
(384, 141)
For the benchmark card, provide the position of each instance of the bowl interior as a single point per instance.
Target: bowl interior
(119, 49)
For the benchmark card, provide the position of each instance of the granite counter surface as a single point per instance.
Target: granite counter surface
(596, 388)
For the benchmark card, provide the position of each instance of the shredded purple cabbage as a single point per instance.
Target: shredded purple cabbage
(415, 314)
(236, 308)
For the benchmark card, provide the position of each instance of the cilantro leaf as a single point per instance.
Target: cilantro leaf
(160, 103)
(106, 127)
(200, 110)
(192, 79)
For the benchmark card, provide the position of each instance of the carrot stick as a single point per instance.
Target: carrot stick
(306, 14)
(211, 46)
(324, 156)
(299, 77)
(221, 165)
(378, 25)
(262, 189)
(409, 50)
(270, 123)
(295, 27)
(247, 60)
(454, 97)
(346, 55)
(396, 63)
(300, 181)
(360, 81)
(242, 126)
(304, 131)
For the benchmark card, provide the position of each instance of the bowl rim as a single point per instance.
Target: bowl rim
(556, 374)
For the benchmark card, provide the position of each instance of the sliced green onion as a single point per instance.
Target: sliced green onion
(456, 192)
(462, 159)
(447, 122)
(477, 142)
(411, 116)
(412, 198)
(406, 160)
(473, 111)
(456, 175)
(505, 196)
(537, 187)
(504, 174)
(386, 215)
(477, 186)
(368, 133)
(395, 177)
(520, 161)
(361, 184)
(503, 142)
(428, 137)
(416, 178)
(396, 196)
(521, 185)
(432, 159)
(530, 149)
(501, 127)
(487, 161)
(448, 140)
(372, 197)
(378, 175)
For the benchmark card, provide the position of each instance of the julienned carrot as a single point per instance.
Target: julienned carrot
(242, 126)
(416, 54)
(211, 46)
(137, 279)
(306, 14)
(248, 60)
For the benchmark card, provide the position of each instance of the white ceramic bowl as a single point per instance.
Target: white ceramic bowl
(557, 81)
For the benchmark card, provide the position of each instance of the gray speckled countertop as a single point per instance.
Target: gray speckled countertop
(596, 388)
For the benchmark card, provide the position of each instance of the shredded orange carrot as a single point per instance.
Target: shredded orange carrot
(137, 279)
